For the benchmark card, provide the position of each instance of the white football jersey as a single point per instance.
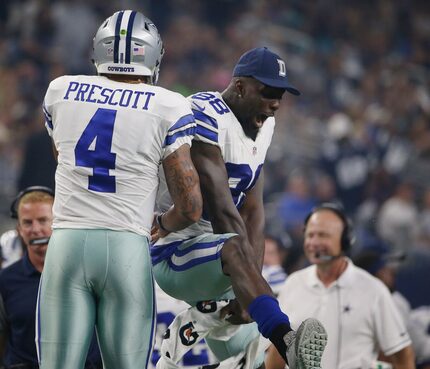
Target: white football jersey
(243, 157)
(111, 138)
(181, 329)
(167, 309)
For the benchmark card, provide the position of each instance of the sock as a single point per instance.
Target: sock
(272, 322)
(277, 338)
(266, 312)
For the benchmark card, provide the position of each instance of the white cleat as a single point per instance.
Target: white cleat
(306, 346)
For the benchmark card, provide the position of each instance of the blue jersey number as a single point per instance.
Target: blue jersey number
(241, 178)
(101, 159)
(219, 106)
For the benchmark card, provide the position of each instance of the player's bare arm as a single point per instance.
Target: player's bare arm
(215, 190)
(252, 212)
(238, 256)
(184, 187)
(403, 359)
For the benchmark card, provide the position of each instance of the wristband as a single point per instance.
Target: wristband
(160, 223)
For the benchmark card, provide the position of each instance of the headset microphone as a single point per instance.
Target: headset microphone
(39, 241)
(325, 257)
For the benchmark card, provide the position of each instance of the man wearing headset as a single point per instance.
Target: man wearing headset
(19, 282)
(356, 308)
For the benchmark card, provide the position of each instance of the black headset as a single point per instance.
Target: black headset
(347, 238)
(21, 194)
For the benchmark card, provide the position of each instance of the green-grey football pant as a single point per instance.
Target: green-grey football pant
(102, 278)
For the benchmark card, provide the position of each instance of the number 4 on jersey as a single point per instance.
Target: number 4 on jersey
(101, 159)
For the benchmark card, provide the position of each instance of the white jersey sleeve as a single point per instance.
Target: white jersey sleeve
(111, 138)
(208, 108)
(389, 325)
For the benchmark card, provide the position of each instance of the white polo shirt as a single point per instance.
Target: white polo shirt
(357, 311)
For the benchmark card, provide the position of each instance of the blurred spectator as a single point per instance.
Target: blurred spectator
(11, 248)
(420, 334)
(413, 276)
(295, 203)
(398, 219)
(424, 221)
(73, 21)
(346, 160)
(39, 163)
(275, 253)
(324, 189)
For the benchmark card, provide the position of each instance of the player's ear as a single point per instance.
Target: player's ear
(239, 87)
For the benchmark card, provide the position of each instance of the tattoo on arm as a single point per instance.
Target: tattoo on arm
(182, 181)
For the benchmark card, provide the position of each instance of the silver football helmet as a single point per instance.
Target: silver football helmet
(128, 43)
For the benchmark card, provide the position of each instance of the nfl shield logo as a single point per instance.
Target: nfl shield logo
(254, 150)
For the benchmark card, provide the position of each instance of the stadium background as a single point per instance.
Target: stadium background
(359, 133)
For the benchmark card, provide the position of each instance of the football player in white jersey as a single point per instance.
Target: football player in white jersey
(223, 252)
(197, 354)
(167, 309)
(111, 133)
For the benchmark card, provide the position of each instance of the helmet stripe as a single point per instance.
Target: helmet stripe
(128, 37)
(117, 37)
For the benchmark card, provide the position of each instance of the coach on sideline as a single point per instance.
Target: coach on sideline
(19, 282)
(356, 308)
